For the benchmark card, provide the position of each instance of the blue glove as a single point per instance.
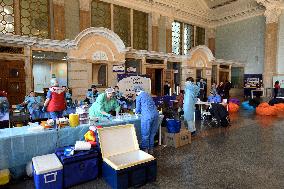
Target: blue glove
(43, 109)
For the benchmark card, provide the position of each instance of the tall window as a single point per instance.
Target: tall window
(101, 16)
(200, 36)
(176, 37)
(121, 24)
(99, 74)
(6, 16)
(188, 37)
(34, 18)
(140, 30)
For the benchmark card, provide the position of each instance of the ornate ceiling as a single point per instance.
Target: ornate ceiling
(213, 4)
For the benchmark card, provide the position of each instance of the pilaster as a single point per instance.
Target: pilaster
(59, 19)
(85, 14)
(155, 31)
(169, 22)
(211, 34)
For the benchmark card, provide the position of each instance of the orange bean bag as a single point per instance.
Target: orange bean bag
(279, 109)
(233, 107)
(266, 110)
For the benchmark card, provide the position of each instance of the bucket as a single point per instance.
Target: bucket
(173, 126)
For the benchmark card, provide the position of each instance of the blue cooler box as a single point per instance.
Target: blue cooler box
(83, 166)
(124, 164)
(48, 172)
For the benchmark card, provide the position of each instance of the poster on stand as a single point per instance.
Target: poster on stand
(118, 68)
(127, 83)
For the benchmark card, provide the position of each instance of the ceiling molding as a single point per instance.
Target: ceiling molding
(196, 12)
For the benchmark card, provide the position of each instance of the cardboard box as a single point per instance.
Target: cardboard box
(178, 139)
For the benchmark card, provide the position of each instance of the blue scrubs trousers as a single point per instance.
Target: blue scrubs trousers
(55, 115)
(149, 128)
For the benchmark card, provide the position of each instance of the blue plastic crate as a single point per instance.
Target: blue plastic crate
(135, 176)
(173, 125)
(79, 168)
(48, 173)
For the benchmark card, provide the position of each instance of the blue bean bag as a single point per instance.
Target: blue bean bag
(246, 106)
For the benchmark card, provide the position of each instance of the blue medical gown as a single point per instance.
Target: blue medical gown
(190, 98)
(145, 106)
(4, 107)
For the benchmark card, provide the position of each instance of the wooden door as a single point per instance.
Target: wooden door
(13, 80)
(151, 73)
(168, 75)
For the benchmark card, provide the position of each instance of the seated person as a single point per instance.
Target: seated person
(104, 104)
(92, 94)
(68, 96)
(4, 105)
(34, 104)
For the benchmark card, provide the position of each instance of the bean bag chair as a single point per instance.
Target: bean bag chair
(254, 102)
(266, 110)
(235, 101)
(233, 108)
(280, 109)
(276, 101)
(247, 106)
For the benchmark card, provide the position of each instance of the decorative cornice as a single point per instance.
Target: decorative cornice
(58, 2)
(85, 5)
(155, 17)
(273, 10)
(108, 34)
(211, 33)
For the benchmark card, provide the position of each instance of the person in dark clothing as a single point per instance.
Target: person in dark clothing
(227, 88)
(220, 89)
(276, 88)
(167, 88)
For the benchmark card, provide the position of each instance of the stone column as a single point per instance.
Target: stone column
(211, 34)
(169, 22)
(85, 14)
(59, 19)
(271, 36)
(155, 31)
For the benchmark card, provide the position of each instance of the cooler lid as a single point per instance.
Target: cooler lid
(46, 163)
(117, 140)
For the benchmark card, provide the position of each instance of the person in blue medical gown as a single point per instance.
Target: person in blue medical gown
(190, 98)
(34, 104)
(149, 118)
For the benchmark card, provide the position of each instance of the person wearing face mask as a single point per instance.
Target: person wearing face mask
(34, 104)
(55, 102)
(190, 98)
(104, 104)
(149, 118)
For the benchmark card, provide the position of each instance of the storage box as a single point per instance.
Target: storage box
(124, 164)
(83, 166)
(48, 173)
(178, 139)
(4, 177)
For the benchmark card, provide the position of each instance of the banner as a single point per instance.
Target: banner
(127, 83)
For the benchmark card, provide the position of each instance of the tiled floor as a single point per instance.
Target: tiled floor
(248, 154)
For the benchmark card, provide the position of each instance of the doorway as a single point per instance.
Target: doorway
(156, 76)
(12, 80)
(223, 76)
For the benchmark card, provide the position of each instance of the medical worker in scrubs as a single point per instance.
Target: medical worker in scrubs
(104, 104)
(190, 98)
(55, 102)
(149, 119)
(34, 104)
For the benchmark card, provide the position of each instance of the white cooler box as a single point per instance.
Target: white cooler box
(124, 164)
(48, 172)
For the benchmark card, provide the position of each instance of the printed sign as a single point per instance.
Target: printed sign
(100, 55)
(131, 70)
(118, 68)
